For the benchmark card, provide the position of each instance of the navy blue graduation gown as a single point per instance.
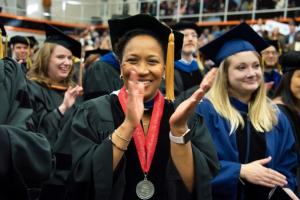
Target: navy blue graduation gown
(187, 75)
(274, 76)
(279, 144)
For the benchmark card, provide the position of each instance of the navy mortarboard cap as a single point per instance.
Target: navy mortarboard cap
(19, 40)
(54, 35)
(96, 51)
(290, 61)
(119, 27)
(238, 39)
(3, 32)
(32, 41)
(171, 41)
(187, 25)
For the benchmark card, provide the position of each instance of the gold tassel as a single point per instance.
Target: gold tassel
(200, 64)
(170, 68)
(1, 45)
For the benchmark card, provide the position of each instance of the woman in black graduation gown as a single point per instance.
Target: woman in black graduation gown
(53, 92)
(149, 152)
(54, 96)
(287, 96)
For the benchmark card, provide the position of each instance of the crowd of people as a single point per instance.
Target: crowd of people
(190, 7)
(151, 111)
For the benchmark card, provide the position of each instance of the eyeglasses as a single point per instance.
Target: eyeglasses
(274, 53)
(193, 35)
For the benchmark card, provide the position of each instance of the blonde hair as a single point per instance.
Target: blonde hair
(39, 69)
(262, 114)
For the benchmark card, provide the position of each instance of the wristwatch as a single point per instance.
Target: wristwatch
(183, 139)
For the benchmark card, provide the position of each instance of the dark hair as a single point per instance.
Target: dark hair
(284, 91)
(120, 45)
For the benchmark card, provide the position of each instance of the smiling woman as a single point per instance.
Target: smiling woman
(131, 144)
(54, 95)
(149, 64)
(254, 140)
(53, 92)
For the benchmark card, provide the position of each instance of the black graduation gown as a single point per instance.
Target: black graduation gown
(26, 159)
(93, 177)
(46, 116)
(184, 81)
(294, 119)
(15, 106)
(101, 78)
(50, 122)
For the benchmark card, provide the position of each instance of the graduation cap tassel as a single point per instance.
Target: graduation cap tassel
(201, 67)
(170, 69)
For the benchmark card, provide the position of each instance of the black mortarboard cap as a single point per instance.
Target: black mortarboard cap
(33, 41)
(290, 61)
(54, 35)
(3, 31)
(238, 39)
(18, 39)
(274, 43)
(96, 51)
(119, 27)
(187, 25)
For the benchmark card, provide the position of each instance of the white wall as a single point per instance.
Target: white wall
(73, 11)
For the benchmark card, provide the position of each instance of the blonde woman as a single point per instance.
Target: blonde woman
(254, 140)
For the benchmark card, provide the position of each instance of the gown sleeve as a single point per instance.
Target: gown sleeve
(26, 156)
(15, 106)
(225, 183)
(92, 150)
(281, 146)
(206, 165)
(46, 116)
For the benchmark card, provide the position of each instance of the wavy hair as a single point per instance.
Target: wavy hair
(39, 69)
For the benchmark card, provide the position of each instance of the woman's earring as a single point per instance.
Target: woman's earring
(121, 76)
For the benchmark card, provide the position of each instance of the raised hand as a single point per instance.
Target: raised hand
(208, 79)
(178, 120)
(256, 173)
(135, 101)
(269, 85)
(70, 97)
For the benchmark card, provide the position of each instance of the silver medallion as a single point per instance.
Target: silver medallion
(145, 189)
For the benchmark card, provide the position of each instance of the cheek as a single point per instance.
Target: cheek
(159, 72)
(295, 85)
(125, 70)
(259, 74)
